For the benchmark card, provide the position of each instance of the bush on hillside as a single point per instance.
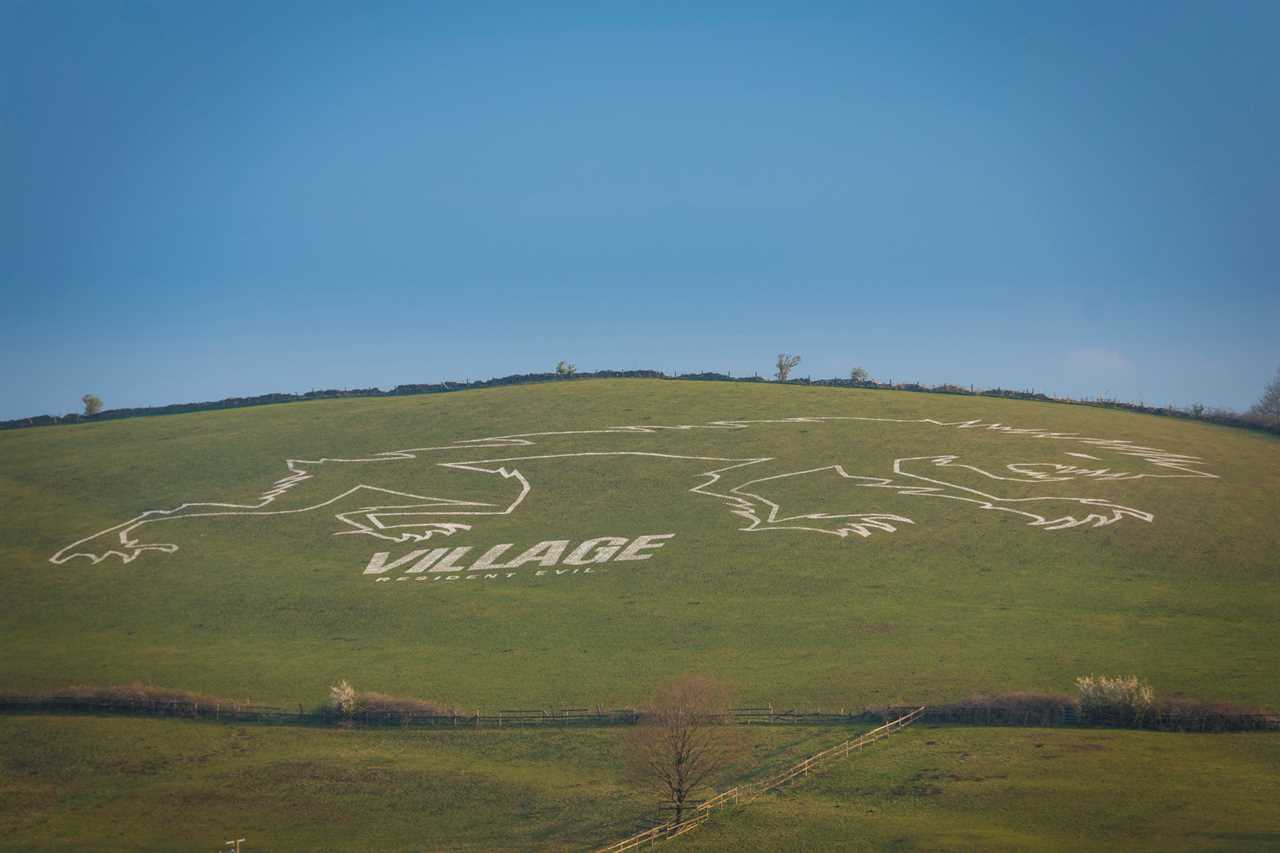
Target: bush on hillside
(382, 703)
(1001, 709)
(1191, 715)
(134, 694)
(343, 698)
(1114, 699)
(1007, 709)
(347, 702)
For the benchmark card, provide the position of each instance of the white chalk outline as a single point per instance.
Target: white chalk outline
(386, 521)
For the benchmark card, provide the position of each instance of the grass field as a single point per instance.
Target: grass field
(277, 608)
(1183, 590)
(1027, 789)
(120, 784)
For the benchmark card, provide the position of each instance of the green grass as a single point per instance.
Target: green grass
(74, 783)
(1030, 789)
(86, 783)
(964, 600)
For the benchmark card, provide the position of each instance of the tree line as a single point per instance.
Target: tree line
(1263, 415)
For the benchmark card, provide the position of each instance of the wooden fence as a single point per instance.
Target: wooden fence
(243, 712)
(749, 791)
(1171, 716)
(249, 713)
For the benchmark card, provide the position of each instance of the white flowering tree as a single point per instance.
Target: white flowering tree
(343, 698)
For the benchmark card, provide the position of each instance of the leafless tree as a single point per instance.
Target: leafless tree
(785, 363)
(92, 404)
(1268, 408)
(859, 376)
(686, 739)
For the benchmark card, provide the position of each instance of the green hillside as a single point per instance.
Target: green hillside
(954, 589)
(127, 785)
(963, 788)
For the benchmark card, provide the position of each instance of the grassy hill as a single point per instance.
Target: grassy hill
(983, 568)
(963, 599)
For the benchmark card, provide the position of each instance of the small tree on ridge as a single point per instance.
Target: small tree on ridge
(785, 364)
(92, 404)
(1268, 407)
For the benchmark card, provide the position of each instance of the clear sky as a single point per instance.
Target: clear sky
(201, 200)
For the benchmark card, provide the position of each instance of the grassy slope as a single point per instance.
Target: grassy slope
(120, 784)
(963, 601)
(1036, 789)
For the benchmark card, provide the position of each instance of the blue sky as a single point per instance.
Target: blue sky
(200, 200)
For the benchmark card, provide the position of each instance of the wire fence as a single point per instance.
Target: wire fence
(1175, 718)
(248, 712)
(1167, 716)
(251, 713)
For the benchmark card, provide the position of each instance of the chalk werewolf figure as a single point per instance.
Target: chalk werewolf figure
(467, 481)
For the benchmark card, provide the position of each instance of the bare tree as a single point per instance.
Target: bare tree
(686, 739)
(859, 376)
(1268, 407)
(92, 404)
(785, 363)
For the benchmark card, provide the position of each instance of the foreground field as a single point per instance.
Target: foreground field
(73, 783)
(1031, 789)
(85, 783)
(957, 599)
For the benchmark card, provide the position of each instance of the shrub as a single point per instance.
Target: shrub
(382, 703)
(1005, 709)
(346, 701)
(1191, 715)
(1114, 699)
(1103, 701)
(123, 697)
(343, 698)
